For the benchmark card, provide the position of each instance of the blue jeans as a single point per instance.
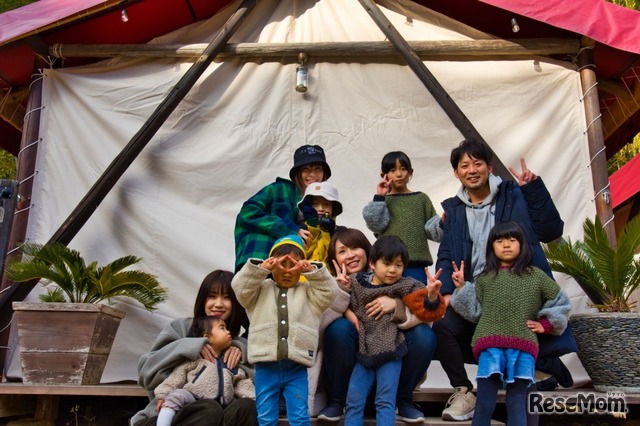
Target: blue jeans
(386, 377)
(416, 272)
(341, 345)
(291, 378)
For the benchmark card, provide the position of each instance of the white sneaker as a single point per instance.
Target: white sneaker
(460, 405)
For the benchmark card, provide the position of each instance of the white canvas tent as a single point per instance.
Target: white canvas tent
(238, 127)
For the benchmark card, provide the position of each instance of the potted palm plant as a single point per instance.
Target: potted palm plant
(608, 341)
(66, 339)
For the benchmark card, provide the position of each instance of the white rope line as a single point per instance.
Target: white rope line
(20, 211)
(27, 178)
(586, 66)
(33, 110)
(33, 80)
(8, 325)
(595, 155)
(4, 100)
(609, 221)
(630, 92)
(625, 110)
(584, 95)
(28, 146)
(606, 107)
(592, 121)
(600, 192)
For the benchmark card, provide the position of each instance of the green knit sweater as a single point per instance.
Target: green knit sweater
(405, 216)
(507, 302)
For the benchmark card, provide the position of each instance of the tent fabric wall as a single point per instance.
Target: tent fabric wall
(238, 127)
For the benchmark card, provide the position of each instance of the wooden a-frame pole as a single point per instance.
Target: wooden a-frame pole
(595, 138)
(434, 87)
(121, 163)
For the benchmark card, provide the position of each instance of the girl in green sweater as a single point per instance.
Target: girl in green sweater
(512, 301)
(396, 210)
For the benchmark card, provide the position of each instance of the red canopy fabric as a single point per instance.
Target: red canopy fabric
(625, 183)
(39, 14)
(604, 22)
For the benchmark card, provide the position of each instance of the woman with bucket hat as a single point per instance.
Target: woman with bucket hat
(273, 211)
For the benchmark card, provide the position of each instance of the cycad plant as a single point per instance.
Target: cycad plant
(608, 275)
(77, 282)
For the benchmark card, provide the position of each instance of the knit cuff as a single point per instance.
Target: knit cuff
(400, 314)
(546, 324)
(378, 197)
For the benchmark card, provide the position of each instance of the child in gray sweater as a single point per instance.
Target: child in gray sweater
(203, 379)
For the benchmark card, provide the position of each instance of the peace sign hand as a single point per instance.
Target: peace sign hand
(458, 274)
(433, 284)
(525, 176)
(341, 274)
(383, 185)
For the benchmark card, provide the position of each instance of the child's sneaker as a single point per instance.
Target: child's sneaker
(460, 406)
(331, 413)
(410, 413)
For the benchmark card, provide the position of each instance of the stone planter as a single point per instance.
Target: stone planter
(609, 349)
(65, 343)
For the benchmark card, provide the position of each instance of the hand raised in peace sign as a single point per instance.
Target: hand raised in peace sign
(525, 176)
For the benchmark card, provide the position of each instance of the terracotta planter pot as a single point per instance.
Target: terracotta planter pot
(609, 349)
(65, 343)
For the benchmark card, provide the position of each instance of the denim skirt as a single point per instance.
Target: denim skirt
(509, 364)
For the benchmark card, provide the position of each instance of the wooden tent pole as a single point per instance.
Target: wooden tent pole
(434, 87)
(426, 49)
(119, 165)
(25, 173)
(595, 137)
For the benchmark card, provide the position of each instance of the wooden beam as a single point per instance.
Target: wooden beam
(434, 87)
(619, 90)
(627, 103)
(12, 109)
(595, 138)
(432, 50)
(83, 211)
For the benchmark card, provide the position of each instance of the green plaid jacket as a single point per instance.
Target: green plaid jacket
(270, 214)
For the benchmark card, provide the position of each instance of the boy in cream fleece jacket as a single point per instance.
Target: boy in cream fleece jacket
(284, 297)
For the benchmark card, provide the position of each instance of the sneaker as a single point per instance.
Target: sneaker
(331, 413)
(410, 413)
(460, 405)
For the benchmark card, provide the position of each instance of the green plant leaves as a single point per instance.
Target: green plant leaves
(607, 274)
(77, 282)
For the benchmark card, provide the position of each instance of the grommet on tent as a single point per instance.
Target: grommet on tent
(301, 73)
(514, 25)
(123, 16)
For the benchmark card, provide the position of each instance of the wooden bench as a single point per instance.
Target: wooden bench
(48, 396)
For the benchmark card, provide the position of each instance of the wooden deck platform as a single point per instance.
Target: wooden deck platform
(47, 398)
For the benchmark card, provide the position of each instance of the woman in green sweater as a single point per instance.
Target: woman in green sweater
(512, 301)
(396, 210)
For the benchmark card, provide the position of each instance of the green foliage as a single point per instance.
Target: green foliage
(13, 4)
(623, 156)
(7, 165)
(608, 275)
(77, 282)
(631, 4)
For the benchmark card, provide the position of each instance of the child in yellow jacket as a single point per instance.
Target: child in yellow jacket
(319, 207)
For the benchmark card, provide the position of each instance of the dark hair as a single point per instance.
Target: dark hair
(218, 282)
(389, 161)
(474, 149)
(285, 249)
(206, 323)
(509, 229)
(388, 247)
(350, 237)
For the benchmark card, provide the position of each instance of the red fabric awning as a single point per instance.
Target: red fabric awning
(40, 14)
(625, 183)
(605, 22)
